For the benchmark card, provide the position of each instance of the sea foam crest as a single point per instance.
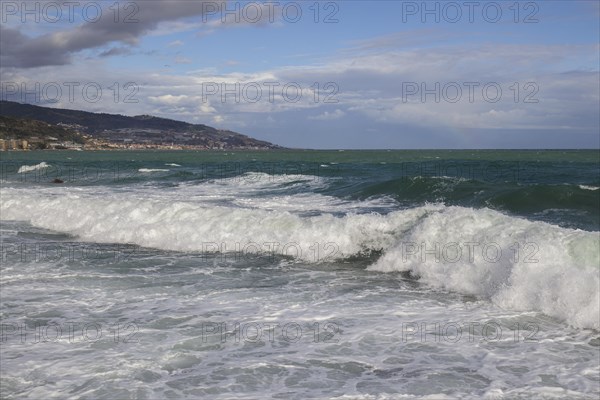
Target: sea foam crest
(146, 170)
(560, 278)
(513, 262)
(28, 168)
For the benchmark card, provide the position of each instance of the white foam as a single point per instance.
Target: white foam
(586, 187)
(244, 189)
(152, 170)
(29, 168)
(188, 226)
(554, 270)
(272, 192)
(564, 282)
(261, 180)
(173, 165)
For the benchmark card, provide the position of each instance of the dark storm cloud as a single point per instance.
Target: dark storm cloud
(19, 50)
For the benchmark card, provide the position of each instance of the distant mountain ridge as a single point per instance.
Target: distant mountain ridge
(118, 128)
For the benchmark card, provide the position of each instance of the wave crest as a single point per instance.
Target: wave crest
(28, 168)
(561, 278)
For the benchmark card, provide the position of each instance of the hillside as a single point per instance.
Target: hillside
(34, 132)
(118, 129)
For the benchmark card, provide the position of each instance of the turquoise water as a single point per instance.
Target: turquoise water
(300, 274)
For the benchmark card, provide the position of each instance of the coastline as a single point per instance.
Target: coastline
(169, 148)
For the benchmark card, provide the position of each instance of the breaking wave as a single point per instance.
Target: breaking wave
(28, 168)
(512, 262)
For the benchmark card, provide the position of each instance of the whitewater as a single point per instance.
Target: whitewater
(352, 282)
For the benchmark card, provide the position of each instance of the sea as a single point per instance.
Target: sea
(300, 274)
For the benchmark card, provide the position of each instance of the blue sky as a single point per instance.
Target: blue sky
(388, 74)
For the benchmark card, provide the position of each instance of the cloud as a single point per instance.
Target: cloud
(370, 91)
(115, 51)
(163, 17)
(372, 87)
(169, 99)
(328, 116)
(57, 48)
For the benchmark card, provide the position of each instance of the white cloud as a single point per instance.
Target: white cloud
(328, 116)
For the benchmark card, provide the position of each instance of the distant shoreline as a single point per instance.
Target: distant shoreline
(30, 127)
(284, 149)
(149, 149)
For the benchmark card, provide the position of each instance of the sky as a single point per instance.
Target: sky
(329, 74)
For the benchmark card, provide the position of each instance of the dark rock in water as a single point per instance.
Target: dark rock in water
(58, 181)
